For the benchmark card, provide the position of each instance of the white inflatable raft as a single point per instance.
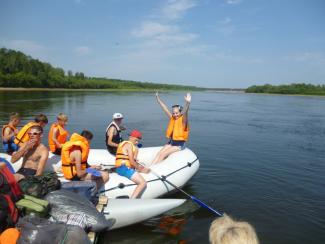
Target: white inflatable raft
(178, 168)
(125, 212)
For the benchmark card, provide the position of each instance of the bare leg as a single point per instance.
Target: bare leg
(141, 184)
(157, 159)
(164, 154)
(99, 180)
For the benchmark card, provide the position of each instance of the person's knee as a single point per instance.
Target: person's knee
(105, 176)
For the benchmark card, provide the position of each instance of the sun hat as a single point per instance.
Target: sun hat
(136, 134)
(117, 116)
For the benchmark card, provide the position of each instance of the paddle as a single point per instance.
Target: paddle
(163, 178)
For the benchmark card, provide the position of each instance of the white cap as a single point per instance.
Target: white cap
(117, 116)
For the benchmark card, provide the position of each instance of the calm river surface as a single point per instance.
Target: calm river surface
(262, 157)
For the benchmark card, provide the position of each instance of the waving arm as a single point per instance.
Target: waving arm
(163, 106)
(188, 99)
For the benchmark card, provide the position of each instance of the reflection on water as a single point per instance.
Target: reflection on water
(262, 157)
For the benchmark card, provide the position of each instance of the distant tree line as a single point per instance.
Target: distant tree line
(20, 70)
(296, 88)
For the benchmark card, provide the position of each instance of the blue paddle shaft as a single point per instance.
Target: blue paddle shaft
(163, 178)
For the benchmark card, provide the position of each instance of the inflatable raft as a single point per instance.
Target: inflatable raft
(178, 168)
(125, 212)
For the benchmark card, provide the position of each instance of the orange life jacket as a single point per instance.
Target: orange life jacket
(22, 135)
(61, 136)
(13, 128)
(121, 157)
(68, 167)
(176, 130)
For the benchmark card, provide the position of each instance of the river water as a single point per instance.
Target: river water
(262, 157)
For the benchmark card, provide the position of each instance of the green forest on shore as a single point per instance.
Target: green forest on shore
(292, 89)
(20, 70)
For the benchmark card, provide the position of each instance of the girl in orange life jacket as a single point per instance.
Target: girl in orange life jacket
(177, 130)
(126, 162)
(58, 134)
(9, 132)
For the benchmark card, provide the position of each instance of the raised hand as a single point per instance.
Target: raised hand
(188, 97)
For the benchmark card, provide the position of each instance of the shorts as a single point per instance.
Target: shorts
(26, 172)
(111, 150)
(57, 151)
(125, 171)
(180, 144)
(75, 178)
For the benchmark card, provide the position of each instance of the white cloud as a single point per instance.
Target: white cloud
(151, 29)
(225, 26)
(29, 47)
(314, 58)
(233, 1)
(156, 34)
(82, 50)
(175, 9)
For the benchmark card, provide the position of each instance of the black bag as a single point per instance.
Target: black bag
(39, 186)
(39, 231)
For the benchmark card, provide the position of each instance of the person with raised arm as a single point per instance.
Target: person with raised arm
(178, 128)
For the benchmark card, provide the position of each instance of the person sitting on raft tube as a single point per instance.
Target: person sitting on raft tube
(22, 135)
(34, 154)
(58, 134)
(74, 156)
(177, 130)
(127, 165)
(9, 131)
(113, 133)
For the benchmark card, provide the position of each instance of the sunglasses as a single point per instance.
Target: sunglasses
(34, 133)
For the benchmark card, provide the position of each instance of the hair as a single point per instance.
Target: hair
(41, 118)
(37, 127)
(87, 134)
(14, 116)
(225, 230)
(62, 117)
(178, 106)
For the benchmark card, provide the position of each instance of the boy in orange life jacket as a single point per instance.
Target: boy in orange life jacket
(74, 155)
(58, 134)
(178, 128)
(126, 162)
(9, 132)
(22, 135)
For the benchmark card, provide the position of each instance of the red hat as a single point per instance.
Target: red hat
(136, 133)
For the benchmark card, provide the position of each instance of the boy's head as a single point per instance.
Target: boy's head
(62, 119)
(41, 119)
(14, 118)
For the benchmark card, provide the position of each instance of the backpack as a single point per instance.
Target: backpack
(8, 212)
(8, 184)
(39, 186)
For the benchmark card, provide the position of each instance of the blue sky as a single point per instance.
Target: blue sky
(210, 43)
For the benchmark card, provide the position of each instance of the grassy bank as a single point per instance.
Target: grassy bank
(292, 89)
